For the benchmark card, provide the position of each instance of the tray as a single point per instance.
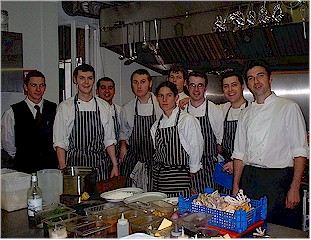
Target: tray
(101, 207)
(145, 197)
(111, 196)
(238, 221)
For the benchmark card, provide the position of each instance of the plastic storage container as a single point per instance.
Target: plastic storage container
(14, 187)
(143, 222)
(111, 216)
(162, 208)
(73, 224)
(101, 207)
(238, 221)
(96, 229)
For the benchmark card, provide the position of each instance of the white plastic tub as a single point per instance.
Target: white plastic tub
(14, 187)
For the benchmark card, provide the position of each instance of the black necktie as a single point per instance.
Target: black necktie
(38, 115)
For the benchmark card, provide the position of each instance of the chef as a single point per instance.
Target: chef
(178, 145)
(137, 117)
(211, 121)
(178, 75)
(232, 86)
(83, 128)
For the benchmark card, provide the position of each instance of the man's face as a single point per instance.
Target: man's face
(106, 90)
(258, 82)
(196, 88)
(167, 100)
(178, 79)
(85, 81)
(141, 85)
(35, 89)
(232, 89)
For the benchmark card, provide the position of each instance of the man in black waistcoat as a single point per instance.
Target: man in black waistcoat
(27, 128)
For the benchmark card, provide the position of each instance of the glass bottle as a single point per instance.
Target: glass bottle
(34, 198)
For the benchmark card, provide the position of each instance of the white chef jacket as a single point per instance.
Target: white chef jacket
(65, 116)
(190, 136)
(8, 123)
(214, 114)
(118, 109)
(128, 112)
(181, 95)
(233, 113)
(271, 134)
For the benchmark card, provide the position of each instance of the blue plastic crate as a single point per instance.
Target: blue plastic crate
(238, 221)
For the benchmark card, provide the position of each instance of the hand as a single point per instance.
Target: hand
(292, 198)
(219, 148)
(192, 175)
(115, 171)
(235, 190)
(228, 167)
(183, 102)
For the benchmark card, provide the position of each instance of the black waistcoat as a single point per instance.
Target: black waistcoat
(34, 145)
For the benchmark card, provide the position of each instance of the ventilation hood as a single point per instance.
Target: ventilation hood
(186, 37)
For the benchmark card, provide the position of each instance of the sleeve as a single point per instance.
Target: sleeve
(240, 140)
(297, 131)
(60, 129)
(192, 134)
(217, 121)
(152, 131)
(125, 128)
(8, 132)
(107, 121)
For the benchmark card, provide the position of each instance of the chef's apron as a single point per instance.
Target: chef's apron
(228, 142)
(204, 177)
(170, 171)
(140, 146)
(86, 142)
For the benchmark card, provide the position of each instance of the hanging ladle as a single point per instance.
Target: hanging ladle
(134, 57)
(129, 61)
(145, 44)
(123, 52)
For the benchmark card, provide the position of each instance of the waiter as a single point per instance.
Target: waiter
(178, 144)
(27, 128)
(232, 86)
(211, 121)
(83, 128)
(137, 117)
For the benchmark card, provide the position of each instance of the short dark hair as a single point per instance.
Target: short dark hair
(104, 79)
(168, 84)
(83, 68)
(255, 63)
(141, 72)
(231, 74)
(34, 73)
(178, 68)
(197, 74)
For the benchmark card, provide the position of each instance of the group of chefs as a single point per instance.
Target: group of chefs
(168, 141)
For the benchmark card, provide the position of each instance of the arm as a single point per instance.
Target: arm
(293, 196)
(217, 121)
(183, 102)
(8, 132)
(61, 157)
(237, 173)
(111, 150)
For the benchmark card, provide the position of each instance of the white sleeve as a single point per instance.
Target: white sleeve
(60, 128)
(107, 121)
(8, 132)
(240, 139)
(217, 121)
(125, 128)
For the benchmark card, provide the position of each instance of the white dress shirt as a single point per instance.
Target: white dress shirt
(233, 113)
(190, 136)
(128, 111)
(215, 116)
(271, 134)
(65, 116)
(8, 123)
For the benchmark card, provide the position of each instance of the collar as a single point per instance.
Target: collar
(268, 100)
(149, 99)
(173, 115)
(32, 104)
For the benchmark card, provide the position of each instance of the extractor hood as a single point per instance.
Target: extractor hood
(186, 37)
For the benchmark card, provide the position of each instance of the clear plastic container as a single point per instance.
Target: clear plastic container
(162, 208)
(144, 222)
(111, 216)
(72, 224)
(95, 210)
(98, 229)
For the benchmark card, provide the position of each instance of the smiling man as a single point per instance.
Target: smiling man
(83, 128)
(232, 86)
(211, 120)
(270, 148)
(27, 128)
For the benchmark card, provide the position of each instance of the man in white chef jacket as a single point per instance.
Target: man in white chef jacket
(83, 128)
(178, 75)
(270, 148)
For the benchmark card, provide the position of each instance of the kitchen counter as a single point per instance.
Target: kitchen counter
(15, 225)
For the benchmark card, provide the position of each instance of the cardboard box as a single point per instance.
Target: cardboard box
(14, 187)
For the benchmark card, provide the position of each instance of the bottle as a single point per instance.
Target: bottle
(122, 227)
(34, 198)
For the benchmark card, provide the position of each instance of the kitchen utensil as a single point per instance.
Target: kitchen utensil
(145, 44)
(134, 57)
(129, 61)
(123, 52)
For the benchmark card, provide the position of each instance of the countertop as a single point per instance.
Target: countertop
(15, 225)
